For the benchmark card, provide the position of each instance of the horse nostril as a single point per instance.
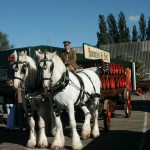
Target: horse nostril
(45, 87)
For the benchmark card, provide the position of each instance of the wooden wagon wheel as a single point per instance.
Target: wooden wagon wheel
(127, 105)
(106, 115)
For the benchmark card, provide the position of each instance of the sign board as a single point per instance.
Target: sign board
(91, 52)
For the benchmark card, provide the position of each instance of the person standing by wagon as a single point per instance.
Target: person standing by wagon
(21, 114)
(69, 56)
(10, 102)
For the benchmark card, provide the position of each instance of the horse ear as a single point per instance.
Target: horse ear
(39, 54)
(54, 53)
(23, 55)
(14, 55)
(39, 51)
(22, 52)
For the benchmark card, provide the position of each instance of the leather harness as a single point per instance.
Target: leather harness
(64, 81)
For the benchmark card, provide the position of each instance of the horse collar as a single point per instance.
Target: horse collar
(61, 84)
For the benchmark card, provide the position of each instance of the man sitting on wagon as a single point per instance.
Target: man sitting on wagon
(69, 56)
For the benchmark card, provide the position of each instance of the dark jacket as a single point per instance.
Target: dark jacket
(8, 92)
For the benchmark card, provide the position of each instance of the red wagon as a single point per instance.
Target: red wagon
(115, 88)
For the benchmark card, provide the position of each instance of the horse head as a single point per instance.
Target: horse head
(21, 66)
(51, 67)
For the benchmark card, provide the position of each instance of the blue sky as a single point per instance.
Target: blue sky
(50, 22)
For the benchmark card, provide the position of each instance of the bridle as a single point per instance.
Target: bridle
(61, 83)
(23, 69)
(44, 67)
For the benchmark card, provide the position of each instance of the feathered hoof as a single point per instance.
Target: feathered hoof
(58, 144)
(85, 135)
(31, 144)
(77, 148)
(43, 144)
(95, 134)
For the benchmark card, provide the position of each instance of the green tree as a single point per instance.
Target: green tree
(127, 34)
(4, 42)
(123, 29)
(148, 30)
(134, 34)
(142, 28)
(139, 69)
(112, 29)
(138, 65)
(102, 35)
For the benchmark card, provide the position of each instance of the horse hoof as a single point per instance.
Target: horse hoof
(31, 143)
(85, 137)
(42, 145)
(57, 148)
(96, 135)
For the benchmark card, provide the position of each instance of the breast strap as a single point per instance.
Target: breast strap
(61, 84)
(83, 92)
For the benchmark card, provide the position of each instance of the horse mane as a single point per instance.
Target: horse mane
(32, 70)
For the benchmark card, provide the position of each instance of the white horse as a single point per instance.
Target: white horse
(25, 74)
(69, 89)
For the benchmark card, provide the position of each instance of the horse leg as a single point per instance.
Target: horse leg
(32, 138)
(76, 142)
(42, 141)
(52, 118)
(53, 126)
(59, 139)
(86, 128)
(94, 112)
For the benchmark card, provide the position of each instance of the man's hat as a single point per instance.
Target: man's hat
(67, 42)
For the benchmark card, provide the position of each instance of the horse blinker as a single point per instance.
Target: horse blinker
(23, 69)
(52, 67)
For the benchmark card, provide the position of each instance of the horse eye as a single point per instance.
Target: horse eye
(23, 69)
